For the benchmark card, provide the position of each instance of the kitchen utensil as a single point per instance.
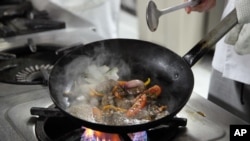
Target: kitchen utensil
(153, 14)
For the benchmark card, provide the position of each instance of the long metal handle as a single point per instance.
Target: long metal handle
(180, 6)
(211, 38)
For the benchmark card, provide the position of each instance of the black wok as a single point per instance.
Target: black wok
(143, 60)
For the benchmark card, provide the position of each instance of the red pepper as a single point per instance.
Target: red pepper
(154, 90)
(137, 106)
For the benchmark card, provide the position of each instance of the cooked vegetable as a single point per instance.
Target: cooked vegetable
(147, 82)
(138, 105)
(113, 101)
(154, 91)
(133, 84)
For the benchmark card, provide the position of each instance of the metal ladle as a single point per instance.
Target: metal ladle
(153, 14)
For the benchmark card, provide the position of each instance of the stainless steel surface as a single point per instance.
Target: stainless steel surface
(206, 121)
(153, 14)
(78, 30)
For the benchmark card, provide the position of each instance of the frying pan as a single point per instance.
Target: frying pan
(142, 60)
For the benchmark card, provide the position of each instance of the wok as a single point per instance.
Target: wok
(143, 60)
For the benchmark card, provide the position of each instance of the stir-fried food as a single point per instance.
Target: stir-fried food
(126, 102)
(115, 102)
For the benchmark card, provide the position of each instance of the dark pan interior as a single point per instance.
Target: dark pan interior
(142, 60)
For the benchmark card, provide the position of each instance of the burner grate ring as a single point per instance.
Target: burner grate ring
(33, 73)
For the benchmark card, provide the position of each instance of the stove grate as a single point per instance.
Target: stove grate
(53, 125)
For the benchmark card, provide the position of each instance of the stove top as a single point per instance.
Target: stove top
(52, 124)
(28, 64)
(23, 18)
(18, 124)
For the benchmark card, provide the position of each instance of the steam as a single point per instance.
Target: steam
(88, 70)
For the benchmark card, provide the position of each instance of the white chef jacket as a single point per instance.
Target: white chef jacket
(227, 61)
(103, 14)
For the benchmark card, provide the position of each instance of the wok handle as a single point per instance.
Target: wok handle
(204, 45)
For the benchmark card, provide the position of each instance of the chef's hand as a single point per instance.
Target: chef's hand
(205, 5)
(240, 34)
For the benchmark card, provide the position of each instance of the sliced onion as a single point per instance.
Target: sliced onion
(134, 83)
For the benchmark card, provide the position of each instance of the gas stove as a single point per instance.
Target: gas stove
(17, 122)
(20, 119)
(16, 100)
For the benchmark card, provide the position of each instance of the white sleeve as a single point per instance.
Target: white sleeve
(243, 10)
(242, 46)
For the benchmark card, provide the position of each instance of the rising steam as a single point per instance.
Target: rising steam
(86, 72)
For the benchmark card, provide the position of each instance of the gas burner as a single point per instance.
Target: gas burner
(66, 129)
(33, 73)
(28, 64)
(53, 125)
(93, 135)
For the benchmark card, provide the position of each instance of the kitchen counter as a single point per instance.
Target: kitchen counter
(205, 120)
